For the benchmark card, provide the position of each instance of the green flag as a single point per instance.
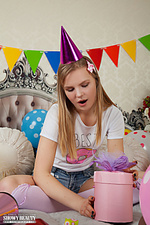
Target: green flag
(33, 57)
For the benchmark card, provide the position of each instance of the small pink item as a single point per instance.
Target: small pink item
(71, 222)
(144, 196)
(8, 205)
(90, 67)
(113, 196)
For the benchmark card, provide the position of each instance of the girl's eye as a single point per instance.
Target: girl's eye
(70, 89)
(85, 85)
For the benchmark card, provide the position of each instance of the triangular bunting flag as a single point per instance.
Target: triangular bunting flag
(1, 47)
(130, 48)
(11, 55)
(145, 41)
(54, 59)
(96, 56)
(33, 57)
(113, 53)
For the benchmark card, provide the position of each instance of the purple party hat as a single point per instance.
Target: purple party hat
(69, 52)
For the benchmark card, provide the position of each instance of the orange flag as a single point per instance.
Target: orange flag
(113, 53)
(11, 55)
(130, 48)
(96, 56)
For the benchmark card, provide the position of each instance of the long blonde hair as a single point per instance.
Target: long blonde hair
(67, 110)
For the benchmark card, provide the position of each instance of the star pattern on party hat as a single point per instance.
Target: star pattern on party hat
(68, 51)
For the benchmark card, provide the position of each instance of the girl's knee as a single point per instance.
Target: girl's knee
(9, 183)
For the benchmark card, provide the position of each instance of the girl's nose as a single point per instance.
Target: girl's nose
(79, 93)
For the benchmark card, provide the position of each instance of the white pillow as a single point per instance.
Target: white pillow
(16, 153)
(135, 152)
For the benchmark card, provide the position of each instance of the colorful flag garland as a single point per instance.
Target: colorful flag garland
(11, 55)
(96, 56)
(34, 56)
(113, 53)
(130, 48)
(145, 41)
(54, 59)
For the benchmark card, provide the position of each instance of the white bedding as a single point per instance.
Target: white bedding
(58, 218)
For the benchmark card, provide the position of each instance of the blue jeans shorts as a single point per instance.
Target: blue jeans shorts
(72, 180)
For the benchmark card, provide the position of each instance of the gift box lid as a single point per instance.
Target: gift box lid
(114, 177)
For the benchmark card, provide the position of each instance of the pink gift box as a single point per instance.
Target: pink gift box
(113, 196)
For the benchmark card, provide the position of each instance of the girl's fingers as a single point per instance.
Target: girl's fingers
(135, 175)
(128, 169)
(91, 200)
(90, 213)
(135, 162)
(91, 206)
(87, 208)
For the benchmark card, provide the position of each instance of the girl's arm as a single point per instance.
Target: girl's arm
(115, 145)
(50, 185)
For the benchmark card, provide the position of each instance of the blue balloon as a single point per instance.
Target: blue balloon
(32, 124)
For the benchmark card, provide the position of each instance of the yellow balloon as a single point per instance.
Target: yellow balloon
(126, 131)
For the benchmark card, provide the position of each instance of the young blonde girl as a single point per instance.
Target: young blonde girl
(74, 128)
(67, 109)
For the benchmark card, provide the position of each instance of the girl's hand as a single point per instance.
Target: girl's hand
(129, 168)
(138, 174)
(87, 207)
(137, 178)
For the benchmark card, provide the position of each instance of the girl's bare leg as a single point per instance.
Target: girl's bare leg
(9, 183)
(87, 185)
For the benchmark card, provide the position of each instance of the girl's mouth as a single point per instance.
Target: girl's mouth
(82, 102)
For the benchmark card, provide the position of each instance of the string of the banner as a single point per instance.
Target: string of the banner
(34, 56)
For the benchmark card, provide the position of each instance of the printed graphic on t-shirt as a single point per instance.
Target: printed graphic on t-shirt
(82, 155)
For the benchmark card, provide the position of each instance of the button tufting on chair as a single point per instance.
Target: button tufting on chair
(17, 102)
(12, 113)
(32, 104)
(8, 119)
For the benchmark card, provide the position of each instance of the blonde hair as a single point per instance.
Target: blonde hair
(67, 110)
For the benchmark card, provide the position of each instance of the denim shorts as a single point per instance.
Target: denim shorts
(72, 180)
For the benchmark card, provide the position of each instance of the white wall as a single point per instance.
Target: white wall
(35, 25)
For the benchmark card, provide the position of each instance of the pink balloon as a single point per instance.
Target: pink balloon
(8, 205)
(144, 196)
(143, 138)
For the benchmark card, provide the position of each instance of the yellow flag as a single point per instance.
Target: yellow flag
(11, 55)
(130, 48)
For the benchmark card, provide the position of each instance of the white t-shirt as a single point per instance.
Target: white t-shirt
(112, 126)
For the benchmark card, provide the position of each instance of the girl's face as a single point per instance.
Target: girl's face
(80, 89)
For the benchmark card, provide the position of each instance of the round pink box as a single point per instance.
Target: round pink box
(113, 196)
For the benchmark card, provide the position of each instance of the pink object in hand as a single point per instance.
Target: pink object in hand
(113, 196)
(145, 196)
